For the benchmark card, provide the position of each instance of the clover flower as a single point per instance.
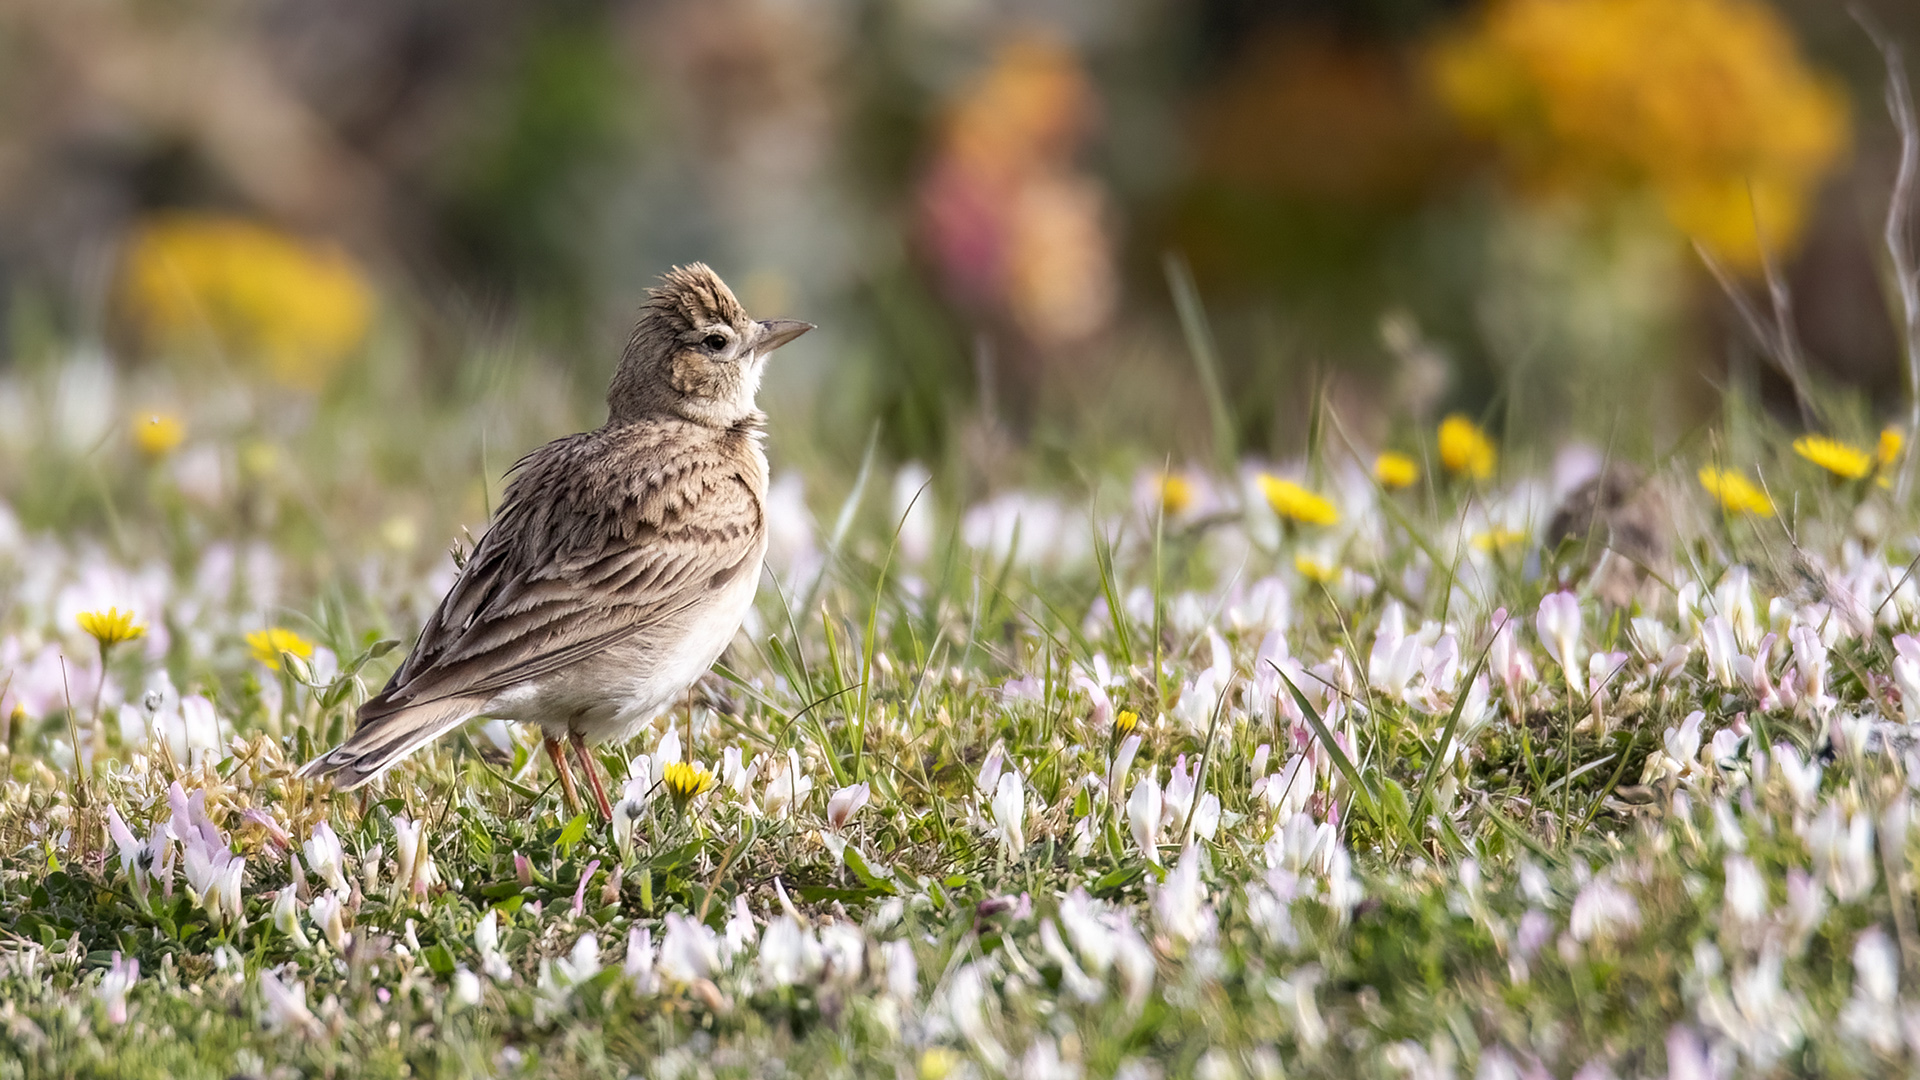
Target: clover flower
(1844, 460)
(845, 803)
(267, 645)
(1735, 493)
(1296, 503)
(1465, 449)
(114, 984)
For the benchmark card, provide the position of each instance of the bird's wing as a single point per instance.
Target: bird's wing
(578, 559)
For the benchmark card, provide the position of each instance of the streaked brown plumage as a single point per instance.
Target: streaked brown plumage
(621, 561)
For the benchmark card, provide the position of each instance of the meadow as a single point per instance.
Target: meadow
(1324, 767)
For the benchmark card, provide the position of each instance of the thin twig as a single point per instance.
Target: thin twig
(1900, 254)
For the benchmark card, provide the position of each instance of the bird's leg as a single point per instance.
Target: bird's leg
(566, 775)
(593, 776)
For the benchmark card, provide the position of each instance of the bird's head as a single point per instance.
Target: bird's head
(695, 353)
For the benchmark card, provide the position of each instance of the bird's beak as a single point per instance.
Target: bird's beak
(777, 332)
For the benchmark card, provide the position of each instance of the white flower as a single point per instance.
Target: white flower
(787, 787)
(1180, 905)
(214, 874)
(902, 970)
(844, 948)
(325, 911)
(138, 859)
(638, 966)
(988, 781)
(789, 954)
(287, 1004)
(558, 977)
(326, 858)
(1716, 637)
(466, 989)
(486, 942)
(845, 803)
(1843, 852)
(286, 917)
(1603, 910)
(1010, 812)
(667, 751)
(1560, 625)
(1906, 675)
(1295, 994)
(114, 984)
(1121, 765)
(690, 951)
(967, 1005)
(1873, 1015)
(416, 871)
(1810, 656)
(1134, 959)
(1143, 815)
(913, 512)
(1746, 891)
(738, 933)
(1802, 778)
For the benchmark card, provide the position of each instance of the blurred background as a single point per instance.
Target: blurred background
(1397, 207)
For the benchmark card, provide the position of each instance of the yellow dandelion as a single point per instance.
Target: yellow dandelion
(158, 434)
(1465, 448)
(199, 281)
(1395, 470)
(684, 781)
(1735, 493)
(1708, 106)
(110, 627)
(1891, 443)
(1176, 493)
(1844, 460)
(1499, 538)
(268, 644)
(1315, 569)
(1125, 722)
(1296, 503)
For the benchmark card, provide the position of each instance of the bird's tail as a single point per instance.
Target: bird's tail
(380, 742)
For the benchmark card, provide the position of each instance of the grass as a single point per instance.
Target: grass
(1356, 835)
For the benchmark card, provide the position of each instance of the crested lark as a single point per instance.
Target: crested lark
(619, 565)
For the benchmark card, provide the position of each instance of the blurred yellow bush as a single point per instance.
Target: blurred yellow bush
(1707, 104)
(289, 307)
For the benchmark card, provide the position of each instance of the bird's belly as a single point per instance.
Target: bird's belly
(609, 696)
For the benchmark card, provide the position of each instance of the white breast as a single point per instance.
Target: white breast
(610, 696)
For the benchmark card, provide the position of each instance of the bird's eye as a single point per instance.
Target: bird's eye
(716, 342)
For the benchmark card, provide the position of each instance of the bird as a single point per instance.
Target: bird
(1615, 527)
(620, 563)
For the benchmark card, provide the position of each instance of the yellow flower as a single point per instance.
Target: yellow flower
(1891, 443)
(110, 627)
(937, 1063)
(1464, 448)
(1125, 722)
(158, 434)
(1706, 105)
(1296, 503)
(1841, 459)
(1176, 493)
(1737, 494)
(268, 644)
(1315, 569)
(200, 281)
(1395, 470)
(684, 781)
(1499, 538)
